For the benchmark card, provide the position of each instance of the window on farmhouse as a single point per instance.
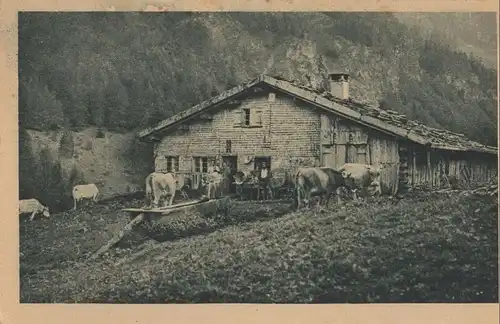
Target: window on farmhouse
(201, 164)
(172, 163)
(248, 117)
(246, 111)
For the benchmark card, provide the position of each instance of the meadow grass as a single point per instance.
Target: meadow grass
(429, 248)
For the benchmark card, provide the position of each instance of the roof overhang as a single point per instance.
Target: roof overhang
(486, 149)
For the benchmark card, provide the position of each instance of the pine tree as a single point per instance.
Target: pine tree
(51, 187)
(43, 175)
(75, 177)
(27, 171)
(66, 145)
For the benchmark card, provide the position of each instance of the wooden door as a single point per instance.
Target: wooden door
(329, 159)
(334, 156)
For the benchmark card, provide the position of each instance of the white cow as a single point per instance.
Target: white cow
(88, 191)
(33, 207)
(361, 176)
(160, 185)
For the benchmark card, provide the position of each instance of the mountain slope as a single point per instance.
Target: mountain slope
(470, 32)
(123, 71)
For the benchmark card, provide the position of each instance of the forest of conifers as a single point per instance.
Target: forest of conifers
(124, 71)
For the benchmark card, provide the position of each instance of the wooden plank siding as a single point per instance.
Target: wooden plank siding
(343, 141)
(469, 168)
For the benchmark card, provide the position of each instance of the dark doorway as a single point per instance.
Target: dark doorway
(231, 163)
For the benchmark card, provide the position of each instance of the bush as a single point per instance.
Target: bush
(100, 133)
(27, 166)
(75, 177)
(66, 145)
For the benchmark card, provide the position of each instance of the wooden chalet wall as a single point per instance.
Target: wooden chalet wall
(343, 141)
(433, 167)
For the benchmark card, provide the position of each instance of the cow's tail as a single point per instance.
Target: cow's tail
(298, 187)
(149, 190)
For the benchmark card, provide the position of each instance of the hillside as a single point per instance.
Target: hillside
(118, 72)
(423, 248)
(116, 163)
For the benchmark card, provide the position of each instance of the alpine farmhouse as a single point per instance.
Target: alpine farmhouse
(291, 125)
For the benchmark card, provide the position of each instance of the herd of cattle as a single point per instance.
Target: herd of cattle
(307, 182)
(325, 182)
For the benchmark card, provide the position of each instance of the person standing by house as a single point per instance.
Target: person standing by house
(227, 177)
(212, 167)
(213, 181)
(264, 176)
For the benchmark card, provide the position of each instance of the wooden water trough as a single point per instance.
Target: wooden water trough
(159, 216)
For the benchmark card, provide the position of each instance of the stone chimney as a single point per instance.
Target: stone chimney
(339, 85)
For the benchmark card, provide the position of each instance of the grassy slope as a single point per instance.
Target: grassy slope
(104, 161)
(422, 249)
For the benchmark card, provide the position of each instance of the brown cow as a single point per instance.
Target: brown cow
(159, 185)
(320, 181)
(361, 176)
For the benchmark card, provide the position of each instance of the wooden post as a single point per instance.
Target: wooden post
(165, 208)
(395, 188)
(402, 170)
(429, 168)
(414, 167)
(138, 219)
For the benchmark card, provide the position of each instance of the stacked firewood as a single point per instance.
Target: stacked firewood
(486, 190)
(489, 190)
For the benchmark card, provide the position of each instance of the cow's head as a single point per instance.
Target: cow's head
(46, 212)
(374, 172)
(349, 180)
(345, 174)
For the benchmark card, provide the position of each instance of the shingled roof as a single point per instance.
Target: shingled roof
(384, 120)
